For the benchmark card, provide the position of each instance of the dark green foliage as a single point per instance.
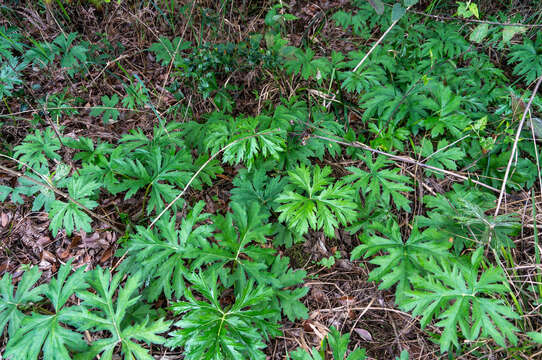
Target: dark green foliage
(403, 258)
(256, 187)
(13, 301)
(528, 59)
(208, 330)
(380, 184)
(103, 311)
(164, 253)
(457, 295)
(107, 111)
(38, 148)
(70, 215)
(471, 226)
(213, 264)
(47, 333)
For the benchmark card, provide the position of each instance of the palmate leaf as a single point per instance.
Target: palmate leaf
(257, 186)
(209, 331)
(535, 336)
(238, 251)
(322, 206)
(164, 253)
(89, 151)
(42, 194)
(238, 239)
(246, 138)
(378, 184)
(38, 148)
(72, 55)
(107, 110)
(282, 279)
(361, 79)
(442, 157)
(13, 301)
(327, 67)
(268, 142)
(301, 63)
(42, 54)
(10, 76)
(384, 101)
(157, 171)
(444, 41)
(69, 215)
(48, 334)
(493, 230)
(459, 297)
(163, 137)
(528, 59)
(459, 219)
(447, 113)
(136, 95)
(101, 311)
(402, 259)
(165, 49)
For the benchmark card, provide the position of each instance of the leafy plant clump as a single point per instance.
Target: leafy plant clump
(396, 153)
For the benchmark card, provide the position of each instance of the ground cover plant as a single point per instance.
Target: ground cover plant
(270, 180)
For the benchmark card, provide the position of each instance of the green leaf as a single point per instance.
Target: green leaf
(508, 32)
(448, 114)
(39, 189)
(379, 184)
(157, 170)
(527, 59)
(207, 330)
(72, 56)
(13, 301)
(69, 215)
(103, 311)
(479, 33)
(536, 336)
(257, 186)
(240, 251)
(473, 7)
(496, 231)
(378, 5)
(460, 298)
(107, 110)
(449, 213)
(164, 253)
(48, 333)
(38, 148)
(10, 76)
(339, 345)
(397, 12)
(301, 63)
(312, 201)
(136, 95)
(165, 49)
(402, 259)
(246, 138)
(4, 192)
(443, 157)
